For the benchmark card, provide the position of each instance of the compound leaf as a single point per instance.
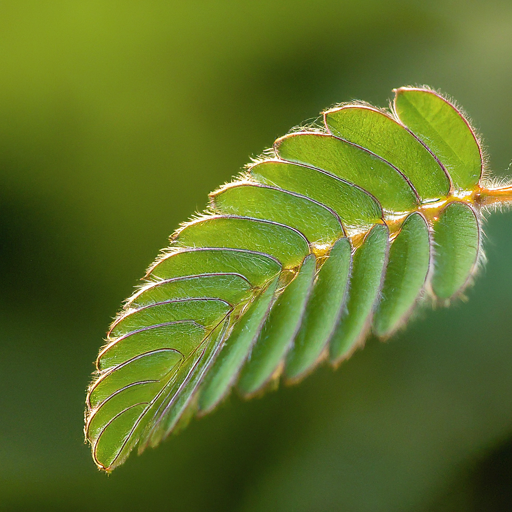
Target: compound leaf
(285, 244)
(256, 267)
(236, 349)
(340, 230)
(365, 284)
(317, 223)
(357, 209)
(406, 274)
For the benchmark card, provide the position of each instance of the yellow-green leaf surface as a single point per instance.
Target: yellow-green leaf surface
(323, 311)
(228, 287)
(286, 244)
(379, 133)
(205, 311)
(353, 164)
(182, 336)
(256, 267)
(236, 349)
(356, 208)
(441, 126)
(338, 231)
(315, 221)
(172, 404)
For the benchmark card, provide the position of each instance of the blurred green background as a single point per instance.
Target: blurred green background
(116, 120)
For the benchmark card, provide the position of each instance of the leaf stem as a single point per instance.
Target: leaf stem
(488, 197)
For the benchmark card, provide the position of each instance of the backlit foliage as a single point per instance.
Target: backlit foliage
(340, 231)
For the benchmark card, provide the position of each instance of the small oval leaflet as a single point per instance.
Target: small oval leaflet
(341, 231)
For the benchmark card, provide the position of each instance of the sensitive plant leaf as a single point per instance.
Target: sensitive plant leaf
(318, 223)
(182, 336)
(228, 287)
(284, 243)
(406, 273)
(181, 389)
(356, 208)
(256, 267)
(236, 350)
(339, 231)
(204, 311)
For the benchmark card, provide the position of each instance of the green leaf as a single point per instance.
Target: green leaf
(181, 389)
(316, 222)
(365, 284)
(356, 208)
(282, 242)
(382, 135)
(256, 267)
(353, 164)
(279, 331)
(150, 366)
(113, 439)
(182, 336)
(236, 350)
(445, 131)
(337, 232)
(323, 311)
(138, 393)
(457, 246)
(406, 274)
(231, 288)
(205, 311)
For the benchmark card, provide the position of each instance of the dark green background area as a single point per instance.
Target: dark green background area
(116, 120)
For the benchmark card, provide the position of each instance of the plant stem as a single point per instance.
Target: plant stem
(488, 197)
